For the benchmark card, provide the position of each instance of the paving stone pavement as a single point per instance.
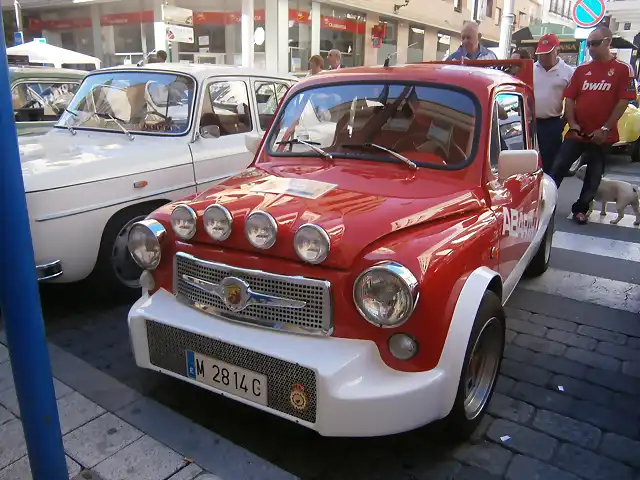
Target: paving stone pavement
(563, 399)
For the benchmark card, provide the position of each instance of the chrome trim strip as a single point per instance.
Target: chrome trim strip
(78, 211)
(252, 298)
(47, 271)
(243, 318)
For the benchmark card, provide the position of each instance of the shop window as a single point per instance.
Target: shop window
(226, 106)
(415, 51)
(41, 101)
(268, 96)
(389, 42)
(444, 45)
(343, 30)
(489, 9)
(498, 15)
(299, 35)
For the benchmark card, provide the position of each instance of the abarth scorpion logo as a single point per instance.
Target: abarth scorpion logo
(235, 293)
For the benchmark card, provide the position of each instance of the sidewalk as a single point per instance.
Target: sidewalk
(110, 432)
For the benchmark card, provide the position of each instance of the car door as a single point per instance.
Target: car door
(38, 104)
(225, 119)
(511, 198)
(268, 95)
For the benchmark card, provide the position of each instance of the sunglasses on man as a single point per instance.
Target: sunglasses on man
(596, 43)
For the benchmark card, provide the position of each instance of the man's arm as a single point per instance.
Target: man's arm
(626, 93)
(618, 111)
(570, 96)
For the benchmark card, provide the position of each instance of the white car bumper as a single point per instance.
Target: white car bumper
(350, 391)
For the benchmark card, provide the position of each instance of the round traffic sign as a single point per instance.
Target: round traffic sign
(588, 13)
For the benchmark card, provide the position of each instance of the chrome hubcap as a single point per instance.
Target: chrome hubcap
(125, 268)
(482, 369)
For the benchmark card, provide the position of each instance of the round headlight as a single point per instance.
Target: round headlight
(144, 242)
(311, 243)
(183, 221)
(386, 294)
(217, 222)
(261, 229)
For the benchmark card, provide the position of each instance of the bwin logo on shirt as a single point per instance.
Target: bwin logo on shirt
(599, 86)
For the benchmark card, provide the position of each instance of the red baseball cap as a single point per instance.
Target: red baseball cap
(547, 43)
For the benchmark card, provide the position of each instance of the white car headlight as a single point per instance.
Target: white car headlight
(217, 222)
(183, 221)
(312, 243)
(144, 243)
(386, 294)
(261, 229)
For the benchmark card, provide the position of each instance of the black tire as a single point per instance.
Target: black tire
(489, 321)
(540, 262)
(105, 274)
(634, 151)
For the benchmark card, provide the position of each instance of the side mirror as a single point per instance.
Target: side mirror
(517, 162)
(252, 141)
(210, 131)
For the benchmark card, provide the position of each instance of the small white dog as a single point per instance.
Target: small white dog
(621, 193)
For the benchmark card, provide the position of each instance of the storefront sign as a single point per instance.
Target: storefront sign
(66, 24)
(113, 19)
(298, 16)
(179, 33)
(177, 16)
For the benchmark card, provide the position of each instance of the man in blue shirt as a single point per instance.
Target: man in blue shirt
(470, 47)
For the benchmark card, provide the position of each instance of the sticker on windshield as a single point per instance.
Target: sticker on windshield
(297, 187)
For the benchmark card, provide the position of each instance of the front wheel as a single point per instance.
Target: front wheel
(480, 369)
(116, 272)
(540, 262)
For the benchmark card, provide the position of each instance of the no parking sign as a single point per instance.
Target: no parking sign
(588, 13)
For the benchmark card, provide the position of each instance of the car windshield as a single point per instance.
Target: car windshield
(432, 126)
(132, 102)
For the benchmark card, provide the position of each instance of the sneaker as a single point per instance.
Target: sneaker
(580, 218)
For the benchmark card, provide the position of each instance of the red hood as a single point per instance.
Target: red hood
(369, 201)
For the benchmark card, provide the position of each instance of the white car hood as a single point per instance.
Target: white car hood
(59, 159)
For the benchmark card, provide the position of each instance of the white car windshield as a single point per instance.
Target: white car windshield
(141, 101)
(433, 126)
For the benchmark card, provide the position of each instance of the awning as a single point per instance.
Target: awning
(51, 55)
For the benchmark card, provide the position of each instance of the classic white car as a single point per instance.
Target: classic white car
(132, 139)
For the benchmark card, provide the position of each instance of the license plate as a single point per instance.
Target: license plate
(228, 378)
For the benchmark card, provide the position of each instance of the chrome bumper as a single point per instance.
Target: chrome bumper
(50, 270)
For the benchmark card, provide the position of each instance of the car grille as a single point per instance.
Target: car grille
(167, 350)
(315, 317)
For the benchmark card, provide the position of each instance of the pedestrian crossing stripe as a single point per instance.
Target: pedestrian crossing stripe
(627, 220)
(586, 288)
(604, 247)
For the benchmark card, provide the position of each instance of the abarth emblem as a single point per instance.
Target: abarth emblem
(298, 398)
(235, 293)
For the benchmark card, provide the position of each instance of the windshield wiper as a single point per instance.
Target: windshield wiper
(311, 145)
(117, 121)
(67, 125)
(402, 158)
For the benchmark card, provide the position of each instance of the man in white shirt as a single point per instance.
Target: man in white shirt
(551, 75)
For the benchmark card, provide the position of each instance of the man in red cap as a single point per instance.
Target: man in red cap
(551, 76)
(596, 98)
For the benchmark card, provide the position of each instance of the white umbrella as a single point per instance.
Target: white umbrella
(39, 52)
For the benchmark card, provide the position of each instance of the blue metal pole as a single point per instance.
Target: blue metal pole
(20, 303)
(582, 52)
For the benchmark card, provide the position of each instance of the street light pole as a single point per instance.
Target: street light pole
(20, 303)
(506, 26)
(16, 7)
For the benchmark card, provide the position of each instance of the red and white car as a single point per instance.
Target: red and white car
(352, 279)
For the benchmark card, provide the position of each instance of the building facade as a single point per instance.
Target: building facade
(281, 34)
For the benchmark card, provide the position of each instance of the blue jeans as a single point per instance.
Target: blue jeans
(549, 140)
(594, 157)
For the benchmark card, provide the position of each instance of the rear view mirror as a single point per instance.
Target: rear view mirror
(210, 131)
(252, 142)
(517, 162)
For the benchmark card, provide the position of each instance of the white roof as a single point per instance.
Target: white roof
(204, 71)
(50, 54)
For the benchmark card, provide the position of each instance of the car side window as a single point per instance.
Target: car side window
(533, 133)
(226, 105)
(44, 101)
(268, 96)
(507, 132)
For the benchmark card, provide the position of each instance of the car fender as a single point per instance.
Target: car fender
(464, 314)
(629, 125)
